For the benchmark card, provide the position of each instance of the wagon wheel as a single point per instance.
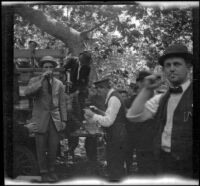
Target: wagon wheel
(25, 162)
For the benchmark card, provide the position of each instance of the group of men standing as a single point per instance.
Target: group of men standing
(169, 114)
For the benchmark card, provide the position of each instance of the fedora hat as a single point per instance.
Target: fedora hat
(178, 50)
(48, 59)
(31, 41)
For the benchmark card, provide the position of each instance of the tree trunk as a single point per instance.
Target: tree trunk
(71, 37)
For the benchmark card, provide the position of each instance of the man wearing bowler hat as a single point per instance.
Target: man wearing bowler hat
(114, 122)
(49, 114)
(172, 111)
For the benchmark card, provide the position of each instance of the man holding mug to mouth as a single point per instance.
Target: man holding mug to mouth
(173, 143)
(49, 114)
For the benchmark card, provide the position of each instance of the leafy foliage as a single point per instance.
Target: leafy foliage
(130, 37)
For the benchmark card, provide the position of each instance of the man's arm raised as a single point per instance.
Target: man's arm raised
(137, 111)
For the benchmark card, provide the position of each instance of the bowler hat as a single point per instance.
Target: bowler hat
(142, 74)
(48, 59)
(102, 83)
(178, 50)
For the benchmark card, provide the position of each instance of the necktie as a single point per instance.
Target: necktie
(176, 90)
(49, 86)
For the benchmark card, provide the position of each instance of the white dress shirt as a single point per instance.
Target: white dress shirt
(151, 107)
(112, 110)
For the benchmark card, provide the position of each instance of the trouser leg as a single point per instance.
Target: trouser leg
(146, 161)
(41, 146)
(53, 142)
(116, 159)
(82, 96)
(129, 156)
(91, 148)
(73, 143)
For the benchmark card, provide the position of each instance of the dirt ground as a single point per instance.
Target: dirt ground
(69, 168)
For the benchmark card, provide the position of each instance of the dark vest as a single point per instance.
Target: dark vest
(181, 137)
(117, 131)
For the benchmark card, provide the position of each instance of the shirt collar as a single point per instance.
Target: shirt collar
(109, 93)
(185, 85)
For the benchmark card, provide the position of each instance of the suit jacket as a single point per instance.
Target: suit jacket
(78, 83)
(46, 105)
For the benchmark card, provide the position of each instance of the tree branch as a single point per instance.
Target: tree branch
(71, 37)
(98, 25)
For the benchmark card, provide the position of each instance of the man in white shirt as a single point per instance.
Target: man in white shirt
(172, 110)
(114, 121)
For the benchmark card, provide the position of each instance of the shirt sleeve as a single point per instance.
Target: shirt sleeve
(34, 85)
(114, 105)
(153, 103)
(150, 108)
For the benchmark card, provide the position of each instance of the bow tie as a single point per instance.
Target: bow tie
(176, 90)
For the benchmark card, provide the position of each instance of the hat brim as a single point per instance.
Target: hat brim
(184, 55)
(33, 42)
(47, 61)
(102, 83)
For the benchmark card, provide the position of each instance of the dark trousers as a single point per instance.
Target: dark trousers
(140, 138)
(73, 143)
(83, 94)
(173, 166)
(91, 148)
(145, 161)
(46, 145)
(115, 153)
(129, 156)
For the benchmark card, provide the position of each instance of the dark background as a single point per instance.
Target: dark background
(7, 86)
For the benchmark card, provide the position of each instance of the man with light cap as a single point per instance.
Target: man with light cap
(114, 121)
(173, 143)
(49, 114)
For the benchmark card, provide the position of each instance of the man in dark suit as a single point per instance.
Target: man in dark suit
(49, 114)
(173, 143)
(80, 70)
